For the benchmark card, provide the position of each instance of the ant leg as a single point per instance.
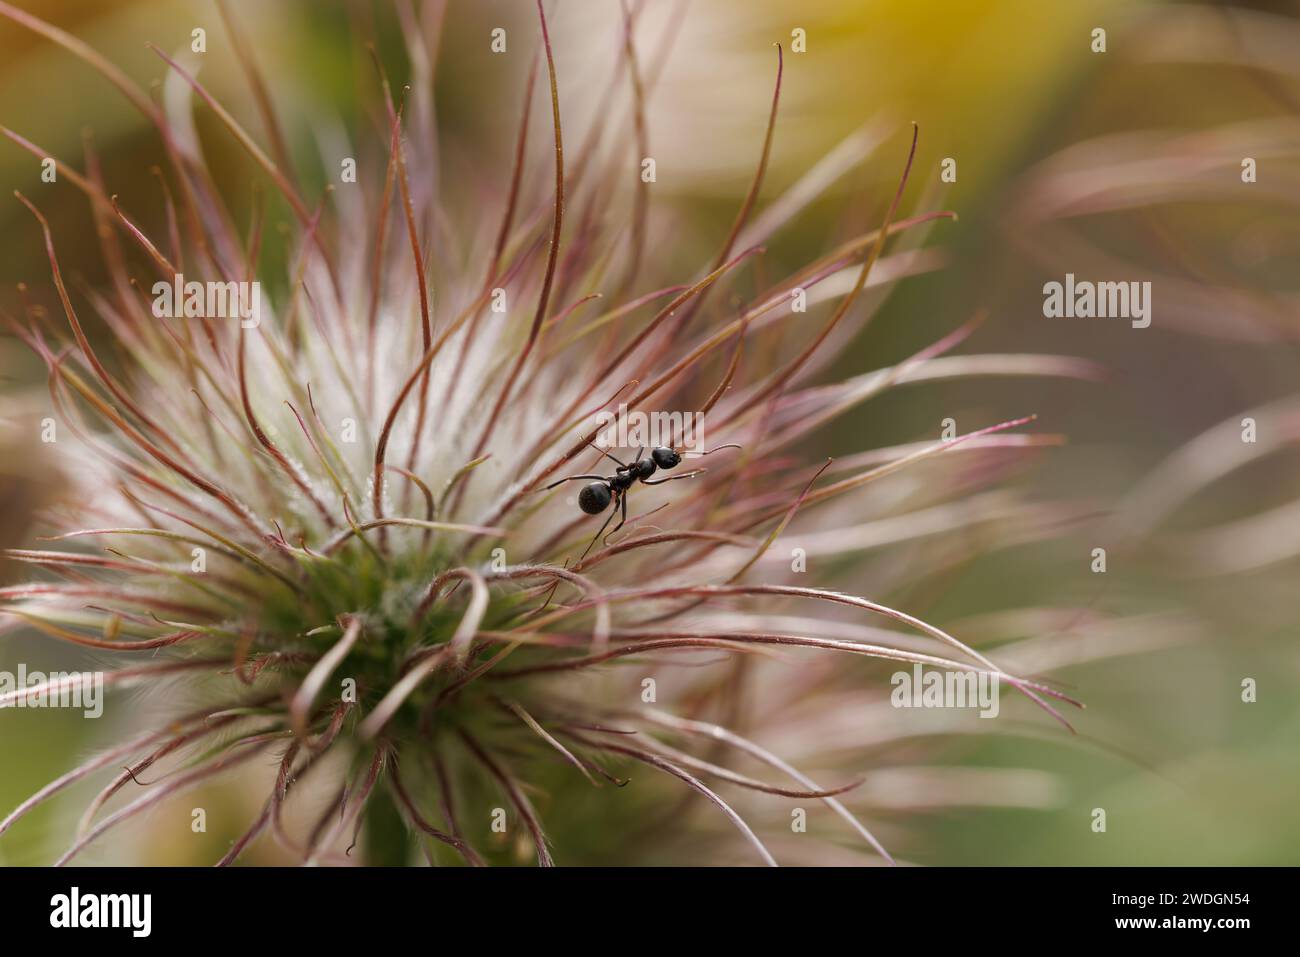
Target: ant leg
(602, 529)
(622, 503)
(673, 478)
(597, 448)
(572, 478)
(621, 463)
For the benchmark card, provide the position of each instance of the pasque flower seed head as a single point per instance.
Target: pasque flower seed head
(327, 520)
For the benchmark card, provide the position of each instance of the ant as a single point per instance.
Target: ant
(596, 496)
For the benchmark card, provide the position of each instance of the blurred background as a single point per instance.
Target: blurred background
(1121, 165)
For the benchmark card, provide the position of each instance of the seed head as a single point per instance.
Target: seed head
(327, 522)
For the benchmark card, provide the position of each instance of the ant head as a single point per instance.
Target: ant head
(665, 458)
(594, 498)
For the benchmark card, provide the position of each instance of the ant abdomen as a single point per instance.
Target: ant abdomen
(594, 498)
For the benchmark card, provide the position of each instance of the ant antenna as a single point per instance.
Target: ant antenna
(729, 445)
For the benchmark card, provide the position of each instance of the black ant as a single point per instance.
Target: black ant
(596, 496)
